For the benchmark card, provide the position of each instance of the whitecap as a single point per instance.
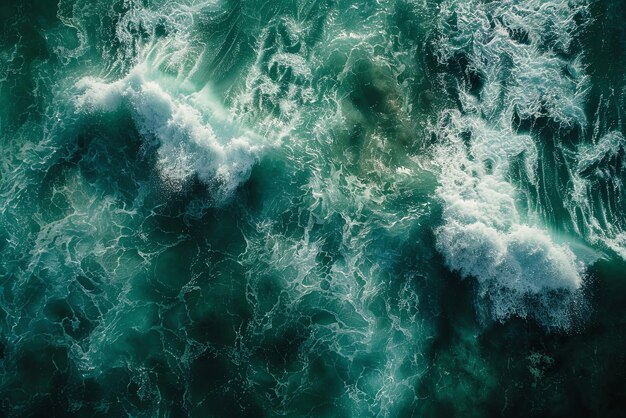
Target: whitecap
(189, 141)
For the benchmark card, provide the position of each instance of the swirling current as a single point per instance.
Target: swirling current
(325, 208)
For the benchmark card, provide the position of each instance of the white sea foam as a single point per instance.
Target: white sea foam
(517, 49)
(517, 265)
(217, 152)
(528, 78)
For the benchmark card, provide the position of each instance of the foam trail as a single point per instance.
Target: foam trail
(513, 71)
(597, 194)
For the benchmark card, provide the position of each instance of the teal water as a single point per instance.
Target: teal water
(395, 208)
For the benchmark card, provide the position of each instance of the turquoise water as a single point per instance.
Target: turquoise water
(312, 208)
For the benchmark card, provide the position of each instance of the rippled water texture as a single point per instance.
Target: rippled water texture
(394, 208)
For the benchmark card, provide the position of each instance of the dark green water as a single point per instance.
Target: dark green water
(395, 208)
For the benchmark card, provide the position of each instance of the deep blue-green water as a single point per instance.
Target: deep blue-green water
(239, 208)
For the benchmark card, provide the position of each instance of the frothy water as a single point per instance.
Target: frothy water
(221, 156)
(513, 72)
(312, 208)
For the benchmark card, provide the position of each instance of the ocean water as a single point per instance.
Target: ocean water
(240, 208)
